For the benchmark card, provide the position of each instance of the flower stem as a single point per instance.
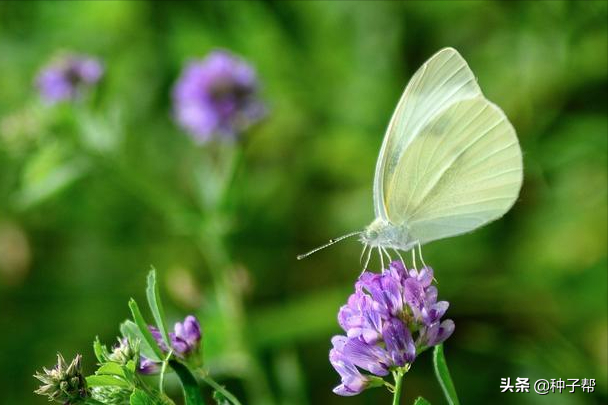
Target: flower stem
(398, 376)
(163, 370)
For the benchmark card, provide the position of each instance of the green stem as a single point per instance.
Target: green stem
(214, 249)
(219, 388)
(192, 392)
(213, 246)
(163, 370)
(398, 375)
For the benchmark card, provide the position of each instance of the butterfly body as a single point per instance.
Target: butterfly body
(381, 233)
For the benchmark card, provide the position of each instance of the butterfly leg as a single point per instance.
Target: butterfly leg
(420, 253)
(362, 253)
(422, 260)
(414, 259)
(381, 258)
(400, 257)
(369, 256)
(390, 259)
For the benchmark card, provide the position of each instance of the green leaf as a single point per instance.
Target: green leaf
(421, 401)
(100, 350)
(130, 330)
(130, 366)
(50, 170)
(156, 306)
(139, 397)
(143, 329)
(110, 369)
(106, 380)
(443, 376)
(192, 392)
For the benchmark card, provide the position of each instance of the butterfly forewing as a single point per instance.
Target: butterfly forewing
(442, 81)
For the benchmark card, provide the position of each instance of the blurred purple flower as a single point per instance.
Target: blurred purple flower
(147, 366)
(388, 320)
(65, 78)
(217, 96)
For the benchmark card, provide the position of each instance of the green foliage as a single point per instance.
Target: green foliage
(90, 194)
(156, 306)
(142, 329)
(192, 392)
(131, 330)
(443, 375)
(140, 397)
(421, 401)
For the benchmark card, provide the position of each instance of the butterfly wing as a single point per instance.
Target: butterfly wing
(453, 168)
(443, 80)
(463, 170)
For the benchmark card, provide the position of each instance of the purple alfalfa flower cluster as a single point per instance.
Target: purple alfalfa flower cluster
(66, 77)
(388, 321)
(217, 96)
(185, 343)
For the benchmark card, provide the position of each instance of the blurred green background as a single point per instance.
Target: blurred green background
(91, 196)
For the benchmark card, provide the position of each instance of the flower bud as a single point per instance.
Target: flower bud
(63, 383)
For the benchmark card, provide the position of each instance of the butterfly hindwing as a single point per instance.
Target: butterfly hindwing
(463, 170)
(450, 161)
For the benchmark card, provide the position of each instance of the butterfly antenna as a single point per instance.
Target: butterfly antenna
(331, 242)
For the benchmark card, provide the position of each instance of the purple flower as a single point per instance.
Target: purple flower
(147, 366)
(217, 96)
(388, 320)
(185, 338)
(399, 343)
(353, 382)
(65, 78)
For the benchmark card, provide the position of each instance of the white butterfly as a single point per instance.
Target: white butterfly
(450, 161)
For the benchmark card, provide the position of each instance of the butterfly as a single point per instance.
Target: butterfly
(450, 161)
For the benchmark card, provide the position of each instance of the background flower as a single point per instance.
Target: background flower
(66, 77)
(217, 96)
